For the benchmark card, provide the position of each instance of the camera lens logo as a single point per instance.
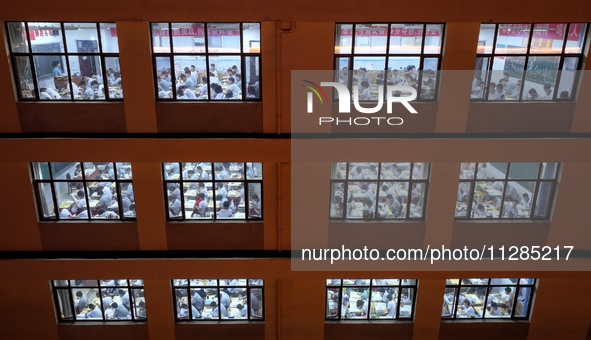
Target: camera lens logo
(314, 89)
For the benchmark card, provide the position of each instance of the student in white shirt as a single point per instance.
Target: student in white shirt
(468, 310)
(162, 93)
(80, 202)
(108, 214)
(498, 94)
(175, 205)
(525, 203)
(362, 305)
(511, 209)
(494, 309)
(225, 211)
(165, 84)
(218, 91)
(482, 171)
(187, 81)
(203, 91)
(194, 73)
(43, 94)
(390, 306)
(365, 94)
(53, 93)
(95, 313)
(232, 85)
(548, 93)
(130, 212)
(65, 213)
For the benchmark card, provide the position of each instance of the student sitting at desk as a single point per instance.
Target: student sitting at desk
(256, 209)
(104, 201)
(162, 93)
(175, 205)
(533, 95)
(525, 203)
(479, 211)
(232, 85)
(468, 310)
(164, 83)
(80, 202)
(394, 206)
(511, 209)
(364, 94)
(363, 307)
(216, 310)
(507, 297)
(187, 81)
(548, 93)
(229, 95)
(200, 206)
(494, 309)
(82, 302)
(217, 91)
(131, 211)
(497, 94)
(251, 92)
(225, 211)
(107, 214)
(97, 89)
(95, 313)
(238, 79)
(242, 312)
(203, 91)
(213, 78)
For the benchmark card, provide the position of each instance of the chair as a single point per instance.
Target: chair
(71, 185)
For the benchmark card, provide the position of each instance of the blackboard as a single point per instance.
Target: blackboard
(43, 63)
(542, 70)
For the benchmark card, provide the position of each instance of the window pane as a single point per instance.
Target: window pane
(172, 170)
(549, 170)
(469, 305)
(524, 170)
(254, 171)
(114, 77)
(356, 282)
(120, 307)
(25, 80)
(540, 77)
(336, 200)
(160, 38)
(486, 38)
(255, 282)
(543, 200)
(512, 38)
(366, 73)
(46, 37)
(467, 170)
(174, 200)
(46, 203)
(385, 282)
(491, 170)
(224, 70)
(417, 200)
(368, 170)
(433, 37)
(576, 38)
(449, 300)
(66, 170)
(164, 77)
(124, 170)
(60, 283)
(406, 302)
(487, 199)
(81, 299)
(406, 68)
(333, 282)
(103, 200)
(506, 71)
(370, 38)
(255, 205)
(332, 303)
(462, 199)
(420, 171)
(238, 308)
(474, 281)
(71, 196)
(139, 303)
(65, 309)
(251, 38)
(480, 78)
(40, 170)
(182, 303)
(199, 200)
(343, 36)
(109, 39)
(358, 306)
(362, 197)
(393, 198)
(428, 78)
(87, 73)
(338, 170)
(547, 38)
(223, 37)
(406, 38)
(188, 38)
(81, 37)
(567, 78)
(252, 73)
(523, 301)
(52, 74)
(188, 72)
(383, 303)
(18, 37)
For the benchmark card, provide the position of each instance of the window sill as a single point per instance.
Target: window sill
(415, 221)
(219, 322)
(68, 101)
(504, 220)
(73, 220)
(485, 321)
(102, 323)
(195, 101)
(229, 221)
(367, 322)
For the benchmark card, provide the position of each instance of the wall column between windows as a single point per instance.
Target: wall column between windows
(272, 309)
(149, 200)
(441, 203)
(28, 309)
(20, 229)
(561, 310)
(459, 58)
(137, 76)
(567, 227)
(159, 309)
(581, 117)
(269, 75)
(428, 310)
(302, 309)
(9, 121)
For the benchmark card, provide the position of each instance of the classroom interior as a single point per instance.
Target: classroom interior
(161, 259)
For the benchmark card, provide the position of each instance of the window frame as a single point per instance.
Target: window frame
(171, 55)
(51, 181)
(505, 182)
(458, 287)
(65, 55)
(218, 288)
(351, 56)
(410, 182)
(400, 286)
(555, 96)
(70, 289)
(213, 181)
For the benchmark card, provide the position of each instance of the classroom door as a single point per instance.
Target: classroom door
(87, 63)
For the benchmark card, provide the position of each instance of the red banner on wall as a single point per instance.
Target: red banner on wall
(195, 31)
(542, 31)
(394, 31)
(33, 34)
